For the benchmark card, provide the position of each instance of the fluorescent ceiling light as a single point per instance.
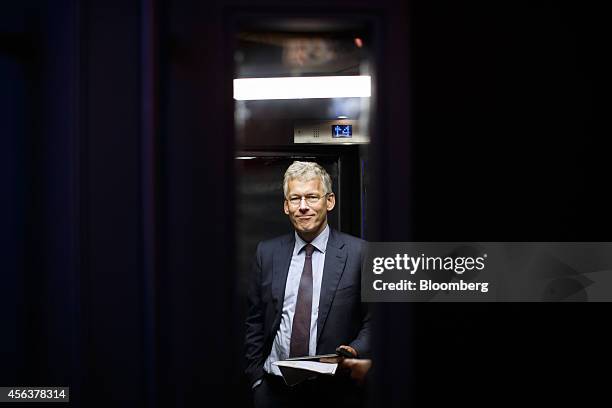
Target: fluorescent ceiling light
(248, 89)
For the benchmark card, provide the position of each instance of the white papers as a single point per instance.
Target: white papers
(321, 368)
(295, 372)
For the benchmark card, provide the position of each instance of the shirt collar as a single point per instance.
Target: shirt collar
(320, 242)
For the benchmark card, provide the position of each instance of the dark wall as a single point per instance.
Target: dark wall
(118, 194)
(40, 343)
(507, 146)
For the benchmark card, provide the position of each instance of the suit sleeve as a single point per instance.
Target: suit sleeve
(362, 341)
(254, 331)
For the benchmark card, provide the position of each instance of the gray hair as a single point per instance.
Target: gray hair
(306, 171)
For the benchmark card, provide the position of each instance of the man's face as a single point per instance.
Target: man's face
(307, 214)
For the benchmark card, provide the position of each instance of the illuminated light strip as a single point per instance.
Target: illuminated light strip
(249, 89)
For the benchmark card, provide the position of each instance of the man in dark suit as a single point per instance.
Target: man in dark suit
(305, 297)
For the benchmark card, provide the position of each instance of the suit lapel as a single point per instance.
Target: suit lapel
(280, 270)
(335, 259)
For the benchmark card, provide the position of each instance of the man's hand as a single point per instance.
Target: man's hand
(339, 359)
(357, 368)
(349, 349)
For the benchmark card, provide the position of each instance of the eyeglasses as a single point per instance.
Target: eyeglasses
(310, 199)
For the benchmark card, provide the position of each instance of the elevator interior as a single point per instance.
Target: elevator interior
(327, 122)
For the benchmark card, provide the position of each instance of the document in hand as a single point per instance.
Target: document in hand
(295, 371)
